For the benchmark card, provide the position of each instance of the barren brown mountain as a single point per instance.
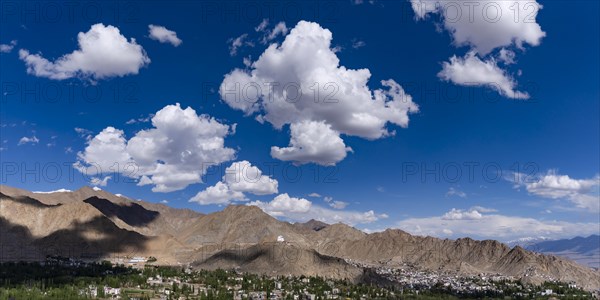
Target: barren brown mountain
(94, 224)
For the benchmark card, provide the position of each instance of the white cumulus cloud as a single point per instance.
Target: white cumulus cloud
(28, 140)
(312, 142)
(220, 193)
(105, 153)
(302, 210)
(472, 71)
(241, 177)
(459, 214)
(7, 48)
(485, 24)
(163, 35)
(284, 204)
(173, 154)
(302, 82)
(581, 192)
(103, 52)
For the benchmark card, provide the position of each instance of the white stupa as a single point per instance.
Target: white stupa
(280, 239)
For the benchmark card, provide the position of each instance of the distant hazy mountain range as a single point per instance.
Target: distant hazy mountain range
(527, 241)
(94, 224)
(584, 250)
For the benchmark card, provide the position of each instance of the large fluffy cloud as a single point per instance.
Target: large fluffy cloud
(302, 210)
(484, 26)
(284, 204)
(220, 193)
(555, 186)
(241, 177)
(476, 223)
(105, 153)
(472, 71)
(459, 214)
(312, 141)
(172, 155)
(302, 82)
(103, 52)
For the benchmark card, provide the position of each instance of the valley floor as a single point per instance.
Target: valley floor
(64, 279)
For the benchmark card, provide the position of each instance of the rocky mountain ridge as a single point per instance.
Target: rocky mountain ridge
(95, 224)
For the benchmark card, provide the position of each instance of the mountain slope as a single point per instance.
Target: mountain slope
(33, 230)
(100, 225)
(280, 258)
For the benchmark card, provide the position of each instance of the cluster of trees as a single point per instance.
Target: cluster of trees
(62, 279)
(562, 288)
(56, 274)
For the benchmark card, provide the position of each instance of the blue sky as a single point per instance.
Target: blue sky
(510, 105)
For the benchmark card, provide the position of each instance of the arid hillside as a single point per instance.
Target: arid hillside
(94, 224)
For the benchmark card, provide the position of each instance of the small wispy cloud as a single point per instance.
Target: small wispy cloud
(455, 192)
(96, 181)
(140, 120)
(356, 43)
(335, 203)
(84, 133)
(28, 140)
(7, 48)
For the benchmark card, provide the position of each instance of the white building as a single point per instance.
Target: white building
(547, 292)
(137, 259)
(108, 291)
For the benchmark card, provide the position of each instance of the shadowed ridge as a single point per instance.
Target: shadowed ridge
(87, 192)
(51, 198)
(12, 191)
(93, 239)
(96, 238)
(132, 214)
(27, 201)
(281, 259)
